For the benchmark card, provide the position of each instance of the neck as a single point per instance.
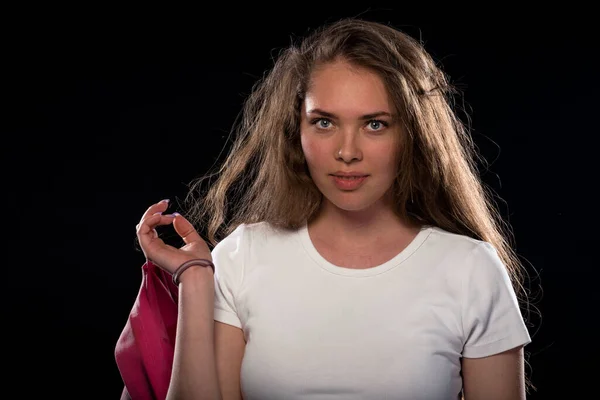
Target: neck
(367, 227)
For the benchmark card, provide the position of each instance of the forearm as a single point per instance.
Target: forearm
(194, 373)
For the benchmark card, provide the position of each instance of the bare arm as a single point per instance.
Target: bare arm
(194, 373)
(230, 346)
(498, 377)
(198, 373)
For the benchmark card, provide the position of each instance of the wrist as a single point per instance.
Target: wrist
(198, 262)
(196, 274)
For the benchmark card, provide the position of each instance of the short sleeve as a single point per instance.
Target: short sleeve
(492, 319)
(228, 258)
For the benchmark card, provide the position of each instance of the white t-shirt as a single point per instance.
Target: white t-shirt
(315, 330)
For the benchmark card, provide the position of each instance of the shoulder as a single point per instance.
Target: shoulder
(235, 254)
(467, 258)
(459, 246)
(252, 235)
(486, 288)
(458, 241)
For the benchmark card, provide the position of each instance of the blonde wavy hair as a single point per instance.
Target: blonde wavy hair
(265, 177)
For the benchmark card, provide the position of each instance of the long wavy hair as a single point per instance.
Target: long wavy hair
(265, 178)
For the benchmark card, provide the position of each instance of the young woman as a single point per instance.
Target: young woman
(356, 253)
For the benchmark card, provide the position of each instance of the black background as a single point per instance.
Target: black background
(108, 111)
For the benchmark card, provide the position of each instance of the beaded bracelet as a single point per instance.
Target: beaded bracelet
(191, 263)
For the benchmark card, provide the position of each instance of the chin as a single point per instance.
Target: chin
(351, 201)
(352, 204)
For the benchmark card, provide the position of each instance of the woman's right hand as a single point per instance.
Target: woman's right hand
(156, 250)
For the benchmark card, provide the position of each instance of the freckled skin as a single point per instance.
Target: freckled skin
(367, 146)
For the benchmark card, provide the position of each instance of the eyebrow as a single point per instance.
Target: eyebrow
(364, 117)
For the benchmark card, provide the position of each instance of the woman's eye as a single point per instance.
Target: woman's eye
(377, 125)
(323, 123)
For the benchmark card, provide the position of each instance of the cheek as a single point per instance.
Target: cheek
(310, 149)
(386, 159)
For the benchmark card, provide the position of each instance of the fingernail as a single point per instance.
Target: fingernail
(165, 201)
(175, 214)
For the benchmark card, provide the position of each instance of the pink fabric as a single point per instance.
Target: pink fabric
(144, 351)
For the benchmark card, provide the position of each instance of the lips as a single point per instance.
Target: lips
(349, 182)
(349, 174)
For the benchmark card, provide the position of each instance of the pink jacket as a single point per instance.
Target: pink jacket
(144, 351)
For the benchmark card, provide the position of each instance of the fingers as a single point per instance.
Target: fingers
(161, 206)
(146, 229)
(153, 217)
(162, 254)
(185, 229)
(150, 223)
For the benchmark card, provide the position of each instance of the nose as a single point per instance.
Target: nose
(349, 149)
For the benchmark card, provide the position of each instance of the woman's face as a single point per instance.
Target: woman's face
(347, 125)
